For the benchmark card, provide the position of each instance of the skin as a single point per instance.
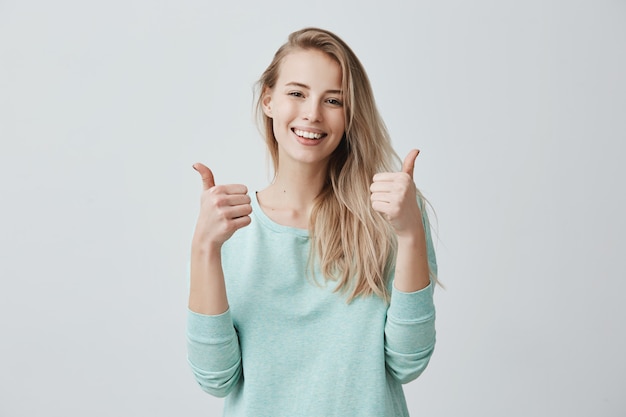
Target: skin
(306, 97)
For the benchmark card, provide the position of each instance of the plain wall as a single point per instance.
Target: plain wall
(519, 109)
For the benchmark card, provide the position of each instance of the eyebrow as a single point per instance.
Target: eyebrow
(297, 84)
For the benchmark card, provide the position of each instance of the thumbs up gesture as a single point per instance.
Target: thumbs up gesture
(223, 210)
(394, 196)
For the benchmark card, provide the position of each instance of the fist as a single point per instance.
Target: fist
(393, 195)
(224, 209)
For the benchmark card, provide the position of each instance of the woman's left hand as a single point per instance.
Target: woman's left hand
(394, 196)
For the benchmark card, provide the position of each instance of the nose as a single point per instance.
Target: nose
(312, 111)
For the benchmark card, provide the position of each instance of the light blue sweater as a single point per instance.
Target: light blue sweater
(290, 347)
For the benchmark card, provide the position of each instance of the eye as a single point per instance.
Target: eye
(334, 102)
(295, 94)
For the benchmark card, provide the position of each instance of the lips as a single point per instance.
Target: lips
(307, 134)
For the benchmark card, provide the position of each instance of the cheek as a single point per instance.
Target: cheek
(280, 126)
(339, 123)
(283, 111)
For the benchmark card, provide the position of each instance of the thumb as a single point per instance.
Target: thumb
(409, 162)
(207, 176)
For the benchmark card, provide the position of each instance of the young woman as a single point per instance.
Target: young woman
(314, 296)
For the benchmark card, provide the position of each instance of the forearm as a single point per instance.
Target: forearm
(212, 345)
(207, 290)
(412, 271)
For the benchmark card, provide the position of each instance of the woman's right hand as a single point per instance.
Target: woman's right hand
(224, 209)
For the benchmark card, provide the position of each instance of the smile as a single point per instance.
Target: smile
(308, 135)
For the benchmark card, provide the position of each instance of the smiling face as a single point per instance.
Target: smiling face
(306, 108)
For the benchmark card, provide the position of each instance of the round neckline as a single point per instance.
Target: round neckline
(271, 224)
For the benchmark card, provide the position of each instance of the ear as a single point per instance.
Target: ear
(266, 102)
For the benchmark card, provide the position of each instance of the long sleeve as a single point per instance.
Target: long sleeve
(409, 333)
(213, 352)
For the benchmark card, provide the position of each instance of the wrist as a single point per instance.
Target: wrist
(411, 231)
(411, 238)
(203, 248)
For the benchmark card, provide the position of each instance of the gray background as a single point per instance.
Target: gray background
(519, 109)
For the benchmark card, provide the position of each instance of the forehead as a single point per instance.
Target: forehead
(311, 67)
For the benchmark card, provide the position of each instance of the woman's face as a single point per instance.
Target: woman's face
(306, 107)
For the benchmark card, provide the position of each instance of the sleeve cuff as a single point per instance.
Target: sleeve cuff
(412, 306)
(213, 329)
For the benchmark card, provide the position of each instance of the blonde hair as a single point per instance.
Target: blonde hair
(353, 244)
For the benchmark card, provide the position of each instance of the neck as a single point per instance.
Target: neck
(289, 198)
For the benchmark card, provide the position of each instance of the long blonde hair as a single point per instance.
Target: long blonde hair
(353, 244)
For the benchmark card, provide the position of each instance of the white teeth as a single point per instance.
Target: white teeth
(308, 135)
